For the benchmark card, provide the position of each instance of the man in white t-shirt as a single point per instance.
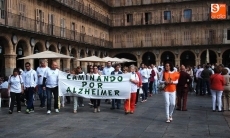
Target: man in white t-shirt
(145, 78)
(107, 71)
(50, 84)
(41, 72)
(30, 83)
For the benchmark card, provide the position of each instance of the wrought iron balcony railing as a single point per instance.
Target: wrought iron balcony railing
(120, 20)
(123, 3)
(39, 27)
(85, 10)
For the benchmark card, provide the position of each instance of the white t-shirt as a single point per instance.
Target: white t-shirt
(107, 71)
(15, 83)
(51, 78)
(144, 75)
(134, 76)
(4, 85)
(41, 71)
(156, 73)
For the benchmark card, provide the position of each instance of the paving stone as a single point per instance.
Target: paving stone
(148, 121)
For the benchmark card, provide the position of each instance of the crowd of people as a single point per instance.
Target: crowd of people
(174, 82)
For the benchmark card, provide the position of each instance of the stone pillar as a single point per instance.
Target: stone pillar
(219, 60)
(197, 61)
(177, 62)
(66, 64)
(10, 63)
(158, 62)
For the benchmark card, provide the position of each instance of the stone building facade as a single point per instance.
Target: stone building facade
(150, 31)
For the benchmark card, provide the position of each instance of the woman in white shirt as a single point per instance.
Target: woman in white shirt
(15, 89)
(96, 102)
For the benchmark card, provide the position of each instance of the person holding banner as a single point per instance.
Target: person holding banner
(80, 99)
(139, 84)
(50, 84)
(107, 71)
(117, 101)
(130, 103)
(170, 78)
(96, 102)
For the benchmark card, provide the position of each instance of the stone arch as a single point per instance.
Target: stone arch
(53, 48)
(212, 54)
(6, 43)
(89, 53)
(188, 58)
(226, 58)
(148, 58)
(96, 53)
(22, 49)
(36, 49)
(64, 50)
(82, 53)
(74, 52)
(127, 56)
(168, 56)
(101, 55)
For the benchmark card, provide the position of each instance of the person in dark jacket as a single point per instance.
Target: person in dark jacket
(206, 74)
(117, 101)
(182, 88)
(151, 80)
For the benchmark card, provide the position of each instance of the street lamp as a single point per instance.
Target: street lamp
(36, 51)
(0, 49)
(187, 56)
(148, 57)
(19, 51)
(167, 57)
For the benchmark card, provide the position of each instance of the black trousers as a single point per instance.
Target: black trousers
(137, 96)
(96, 103)
(151, 87)
(15, 96)
(49, 97)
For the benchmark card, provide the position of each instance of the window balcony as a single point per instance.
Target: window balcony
(84, 10)
(23, 23)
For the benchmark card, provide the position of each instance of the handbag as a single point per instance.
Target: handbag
(140, 91)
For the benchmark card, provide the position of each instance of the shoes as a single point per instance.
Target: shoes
(75, 111)
(10, 112)
(98, 109)
(131, 112)
(213, 110)
(82, 105)
(95, 110)
(112, 108)
(56, 110)
(27, 111)
(19, 111)
(126, 113)
(90, 104)
(168, 121)
(48, 112)
(170, 118)
(32, 111)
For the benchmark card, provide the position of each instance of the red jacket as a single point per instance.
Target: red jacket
(152, 75)
(140, 80)
(217, 82)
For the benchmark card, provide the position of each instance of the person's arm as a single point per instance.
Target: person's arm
(35, 78)
(161, 78)
(9, 85)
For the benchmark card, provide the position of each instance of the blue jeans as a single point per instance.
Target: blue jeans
(49, 92)
(42, 95)
(29, 93)
(118, 103)
(145, 91)
(155, 84)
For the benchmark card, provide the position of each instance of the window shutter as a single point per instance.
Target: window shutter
(37, 15)
(43, 18)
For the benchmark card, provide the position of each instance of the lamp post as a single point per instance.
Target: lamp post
(167, 57)
(0, 49)
(187, 56)
(19, 51)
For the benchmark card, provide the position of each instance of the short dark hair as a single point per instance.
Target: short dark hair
(15, 70)
(224, 72)
(170, 64)
(217, 70)
(27, 63)
(117, 65)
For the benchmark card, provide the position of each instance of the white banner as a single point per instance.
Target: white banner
(95, 86)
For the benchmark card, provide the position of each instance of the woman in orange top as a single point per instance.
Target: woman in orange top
(169, 77)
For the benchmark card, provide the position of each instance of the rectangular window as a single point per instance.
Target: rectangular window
(129, 18)
(147, 18)
(187, 13)
(167, 15)
(228, 34)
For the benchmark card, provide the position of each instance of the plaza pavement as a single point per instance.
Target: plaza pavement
(147, 122)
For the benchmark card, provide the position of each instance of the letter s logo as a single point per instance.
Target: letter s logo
(215, 8)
